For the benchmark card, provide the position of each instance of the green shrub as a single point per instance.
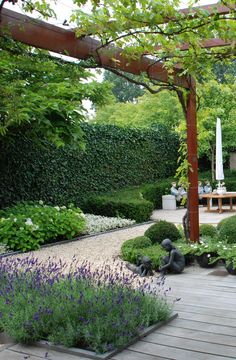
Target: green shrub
(154, 192)
(139, 242)
(130, 248)
(227, 229)
(207, 230)
(155, 252)
(27, 226)
(219, 225)
(162, 230)
(137, 209)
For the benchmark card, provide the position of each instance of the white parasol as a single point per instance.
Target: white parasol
(219, 157)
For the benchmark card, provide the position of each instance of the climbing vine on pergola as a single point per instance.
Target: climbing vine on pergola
(145, 38)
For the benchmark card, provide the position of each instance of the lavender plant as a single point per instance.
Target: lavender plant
(75, 305)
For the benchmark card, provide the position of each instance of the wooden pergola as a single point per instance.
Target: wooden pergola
(53, 38)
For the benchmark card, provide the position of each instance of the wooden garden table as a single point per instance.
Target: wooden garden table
(228, 195)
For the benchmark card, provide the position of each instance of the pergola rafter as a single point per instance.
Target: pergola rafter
(43, 35)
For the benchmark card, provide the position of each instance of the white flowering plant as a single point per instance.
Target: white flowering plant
(186, 247)
(96, 223)
(26, 226)
(208, 245)
(228, 253)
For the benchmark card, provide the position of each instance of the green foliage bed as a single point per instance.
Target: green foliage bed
(27, 226)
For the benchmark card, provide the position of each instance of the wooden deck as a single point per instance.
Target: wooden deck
(206, 326)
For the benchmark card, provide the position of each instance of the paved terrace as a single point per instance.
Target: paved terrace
(205, 328)
(176, 216)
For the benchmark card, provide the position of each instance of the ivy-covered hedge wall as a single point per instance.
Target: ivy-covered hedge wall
(113, 158)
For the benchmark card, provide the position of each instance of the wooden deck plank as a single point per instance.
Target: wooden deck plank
(208, 319)
(173, 352)
(197, 335)
(197, 325)
(190, 344)
(199, 309)
(133, 355)
(204, 298)
(208, 305)
(227, 291)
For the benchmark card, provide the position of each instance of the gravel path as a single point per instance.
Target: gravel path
(97, 249)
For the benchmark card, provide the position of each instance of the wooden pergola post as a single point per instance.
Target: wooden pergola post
(193, 161)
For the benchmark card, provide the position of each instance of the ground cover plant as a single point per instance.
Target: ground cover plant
(96, 223)
(74, 305)
(27, 226)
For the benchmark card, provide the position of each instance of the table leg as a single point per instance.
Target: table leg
(231, 203)
(220, 205)
(208, 204)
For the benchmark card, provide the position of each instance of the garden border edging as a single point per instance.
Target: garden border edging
(92, 355)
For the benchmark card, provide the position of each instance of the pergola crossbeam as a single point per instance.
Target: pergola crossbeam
(53, 38)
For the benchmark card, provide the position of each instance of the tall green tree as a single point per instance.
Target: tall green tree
(122, 89)
(149, 110)
(216, 100)
(42, 96)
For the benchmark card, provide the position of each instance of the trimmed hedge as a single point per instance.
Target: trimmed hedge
(136, 209)
(154, 192)
(114, 158)
(162, 230)
(134, 203)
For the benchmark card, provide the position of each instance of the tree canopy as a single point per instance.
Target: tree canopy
(158, 28)
(122, 89)
(149, 110)
(42, 96)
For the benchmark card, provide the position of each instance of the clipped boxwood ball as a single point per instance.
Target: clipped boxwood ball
(139, 242)
(207, 230)
(227, 229)
(220, 224)
(162, 230)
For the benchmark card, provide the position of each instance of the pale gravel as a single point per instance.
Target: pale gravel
(97, 250)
